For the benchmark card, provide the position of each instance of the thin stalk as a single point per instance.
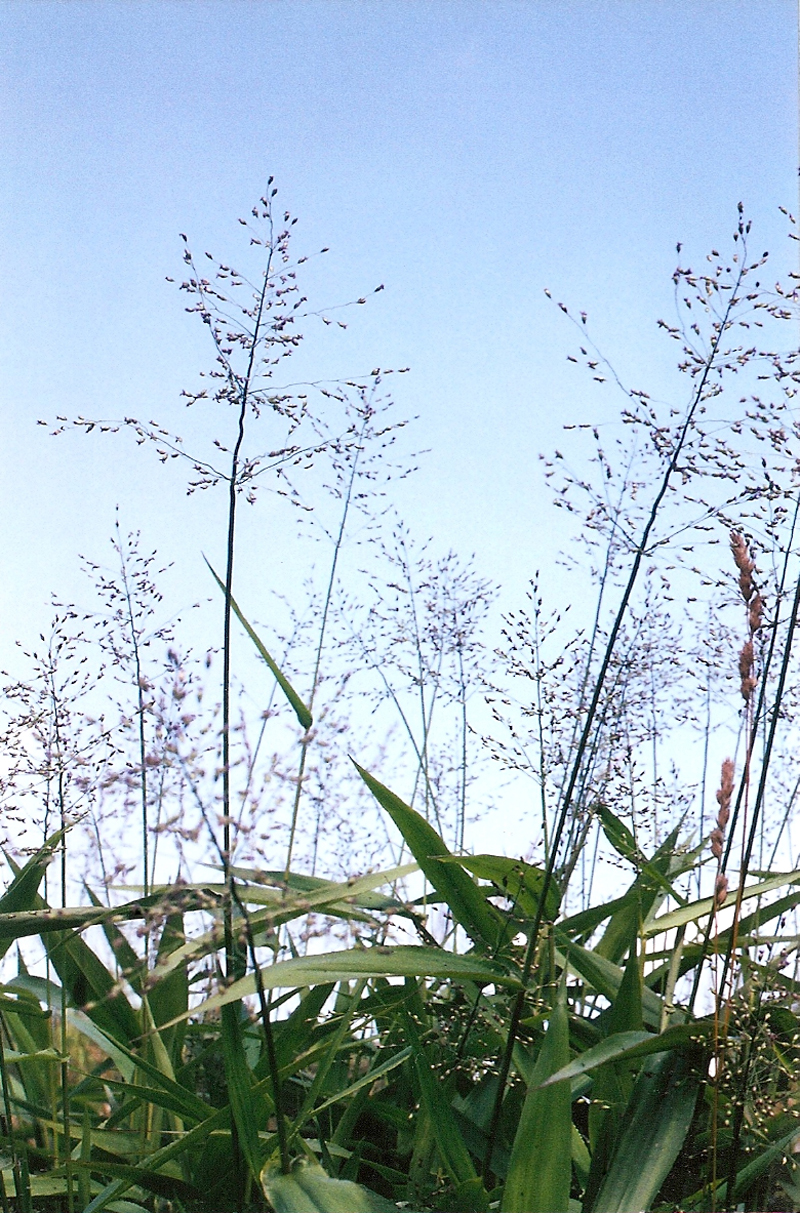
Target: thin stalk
(337, 548)
(540, 723)
(462, 807)
(704, 780)
(243, 388)
(244, 395)
(62, 811)
(586, 733)
(604, 578)
(138, 674)
(156, 825)
(263, 998)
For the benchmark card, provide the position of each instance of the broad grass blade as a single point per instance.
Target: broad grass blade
(631, 1046)
(702, 908)
(309, 1190)
(454, 1154)
(244, 1105)
(654, 1129)
(482, 922)
(647, 892)
(606, 978)
(350, 964)
(520, 882)
(540, 1171)
(169, 996)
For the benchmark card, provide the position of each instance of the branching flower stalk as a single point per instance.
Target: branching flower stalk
(242, 388)
(337, 548)
(61, 805)
(642, 549)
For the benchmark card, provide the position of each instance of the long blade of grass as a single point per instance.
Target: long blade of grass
(481, 920)
(605, 977)
(630, 1046)
(131, 965)
(702, 908)
(309, 1190)
(647, 892)
(245, 1108)
(348, 965)
(522, 883)
(434, 1100)
(168, 996)
(366, 1080)
(218, 1120)
(540, 1171)
(300, 710)
(655, 1125)
(332, 896)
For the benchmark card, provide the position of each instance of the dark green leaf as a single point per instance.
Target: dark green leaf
(540, 1171)
(654, 1129)
(481, 920)
(522, 883)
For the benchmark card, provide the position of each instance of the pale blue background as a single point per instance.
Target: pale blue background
(465, 154)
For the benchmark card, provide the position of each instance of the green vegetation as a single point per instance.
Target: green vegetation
(440, 1030)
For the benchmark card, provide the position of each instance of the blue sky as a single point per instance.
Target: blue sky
(467, 155)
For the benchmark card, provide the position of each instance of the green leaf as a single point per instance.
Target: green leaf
(23, 892)
(154, 1096)
(613, 1082)
(183, 1101)
(89, 984)
(307, 1189)
(630, 1046)
(605, 977)
(299, 882)
(185, 1144)
(645, 894)
(585, 922)
(330, 896)
(131, 965)
(143, 1177)
(522, 883)
(481, 920)
(619, 835)
(702, 908)
(244, 1105)
(366, 1080)
(540, 1171)
(168, 996)
(350, 964)
(300, 710)
(654, 1129)
(746, 1177)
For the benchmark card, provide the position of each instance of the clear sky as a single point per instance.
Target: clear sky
(465, 154)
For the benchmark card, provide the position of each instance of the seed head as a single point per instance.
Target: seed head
(755, 613)
(716, 838)
(744, 563)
